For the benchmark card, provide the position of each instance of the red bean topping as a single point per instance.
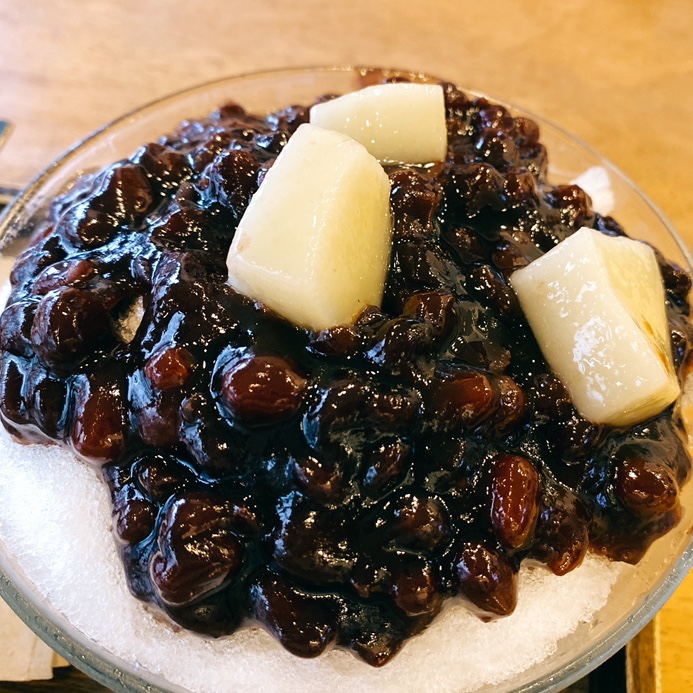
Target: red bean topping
(340, 340)
(337, 408)
(323, 479)
(165, 166)
(497, 147)
(535, 158)
(521, 187)
(262, 389)
(169, 368)
(646, 487)
(463, 400)
(124, 192)
(393, 409)
(307, 543)
(15, 328)
(421, 523)
(416, 590)
(562, 538)
(86, 227)
(420, 264)
(135, 518)
(508, 258)
(46, 397)
(386, 465)
(435, 308)
(304, 624)
(514, 497)
(66, 273)
(182, 228)
(134, 515)
(337, 486)
(512, 405)
(573, 203)
(466, 242)
(158, 419)
(160, 477)
(549, 397)
(197, 549)
(490, 116)
(12, 376)
(486, 577)
(69, 325)
(480, 185)
(576, 437)
(415, 199)
(527, 131)
(235, 172)
(99, 424)
(455, 98)
(291, 117)
(397, 343)
(485, 281)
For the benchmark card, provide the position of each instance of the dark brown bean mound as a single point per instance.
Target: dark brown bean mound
(335, 486)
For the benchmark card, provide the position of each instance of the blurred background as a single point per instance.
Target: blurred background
(616, 73)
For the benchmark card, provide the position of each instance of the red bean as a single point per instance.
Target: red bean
(645, 486)
(262, 389)
(99, 423)
(463, 400)
(385, 466)
(197, 549)
(485, 577)
(304, 624)
(514, 499)
(69, 325)
(170, 368)
(420, 522)
(416, 589)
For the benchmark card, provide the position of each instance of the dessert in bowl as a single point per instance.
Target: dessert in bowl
(395, 444)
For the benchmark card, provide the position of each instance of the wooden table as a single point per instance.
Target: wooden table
(617, 73)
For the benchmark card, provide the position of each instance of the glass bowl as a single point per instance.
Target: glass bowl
(638, 591)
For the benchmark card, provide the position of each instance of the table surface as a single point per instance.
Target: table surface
(617, 73)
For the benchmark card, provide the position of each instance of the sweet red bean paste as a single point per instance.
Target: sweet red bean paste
(337, 486)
